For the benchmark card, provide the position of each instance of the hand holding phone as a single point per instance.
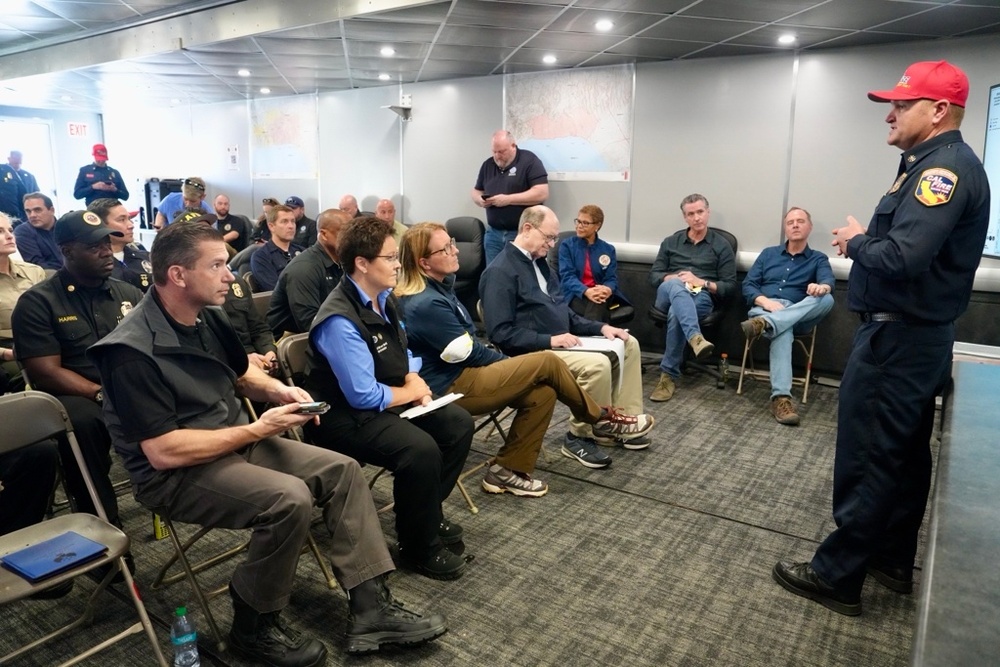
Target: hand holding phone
(313, 408)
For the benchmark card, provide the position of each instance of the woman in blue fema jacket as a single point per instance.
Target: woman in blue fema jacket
(588, 268)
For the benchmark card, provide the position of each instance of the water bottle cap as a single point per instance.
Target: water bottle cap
(181, 611)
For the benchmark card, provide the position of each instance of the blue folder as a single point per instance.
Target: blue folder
(55, 555)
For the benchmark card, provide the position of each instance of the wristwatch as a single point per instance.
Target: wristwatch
(99, 396)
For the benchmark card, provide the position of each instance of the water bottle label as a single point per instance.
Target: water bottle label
(184, 639)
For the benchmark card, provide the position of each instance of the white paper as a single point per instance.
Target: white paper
(602, 344)
(430, 407)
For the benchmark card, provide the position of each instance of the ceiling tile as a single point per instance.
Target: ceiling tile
(661, 49)
(660, 7)
(772, 10)
(480, 12)
(389, 31)
(89, 11)
(573, 41)
(944, 22)
(699, 30)
(804, 37)
(855, 14)
(477, 54)
(468, 36)
(583, 20)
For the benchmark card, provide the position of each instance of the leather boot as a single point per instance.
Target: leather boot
(376, 619)
(266, 638)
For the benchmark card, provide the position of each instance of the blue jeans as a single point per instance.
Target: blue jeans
(683, 311)
(793, 320)
(494, 242)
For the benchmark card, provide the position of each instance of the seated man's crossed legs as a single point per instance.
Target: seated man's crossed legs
(531, 384)
(607, 385)
(781, 326)
(683, 309)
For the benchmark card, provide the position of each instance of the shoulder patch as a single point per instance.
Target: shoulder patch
(935, 186)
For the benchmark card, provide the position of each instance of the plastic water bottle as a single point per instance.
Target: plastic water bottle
(723, 371)
(185, 640)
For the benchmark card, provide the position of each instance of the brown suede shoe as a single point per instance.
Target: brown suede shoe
(784, 411)
(664, 389)
(702, 348)
(753, 327)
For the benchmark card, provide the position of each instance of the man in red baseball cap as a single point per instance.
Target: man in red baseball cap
(98, 180)
(911, 278)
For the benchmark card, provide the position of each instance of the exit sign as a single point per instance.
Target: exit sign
(77, 129)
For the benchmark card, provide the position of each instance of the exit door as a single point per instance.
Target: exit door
(33, 137)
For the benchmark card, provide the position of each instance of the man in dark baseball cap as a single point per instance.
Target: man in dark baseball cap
(305, 227)
(82, 226)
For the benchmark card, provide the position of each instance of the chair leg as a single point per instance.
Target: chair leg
(461, 485)
(743, 366)
(809, 365)
(311, 545)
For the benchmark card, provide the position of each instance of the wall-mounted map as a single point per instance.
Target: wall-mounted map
(284, 137)
(579, 122)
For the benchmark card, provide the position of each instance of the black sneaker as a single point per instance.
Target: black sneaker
(586, 451)
(450, 533)
(443, 565)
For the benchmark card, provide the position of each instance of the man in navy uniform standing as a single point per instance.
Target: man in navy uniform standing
(912, 277)
(97, 179)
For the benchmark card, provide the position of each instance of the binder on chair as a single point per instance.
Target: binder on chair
(53, 556)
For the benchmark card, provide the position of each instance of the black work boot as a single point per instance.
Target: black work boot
(376, 619)
(264, 637)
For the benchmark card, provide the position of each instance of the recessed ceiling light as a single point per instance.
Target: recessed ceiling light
(243, 72)
(604, 25)
(384, 77)
(388, 51)
(549, 59)
(786, 39)
(265, 91)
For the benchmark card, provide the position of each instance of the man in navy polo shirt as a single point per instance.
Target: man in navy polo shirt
(509, 182)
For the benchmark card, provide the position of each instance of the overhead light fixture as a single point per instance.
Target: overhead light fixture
(265, 91)
(243, 72)
(549, 59)
(604, 25)
(388, 51)
(384, 77)
(786, 39)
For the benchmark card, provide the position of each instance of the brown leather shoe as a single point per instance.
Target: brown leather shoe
(754, 327)
(784, 411)
(664, 389)
(801, 579)
(702, 348)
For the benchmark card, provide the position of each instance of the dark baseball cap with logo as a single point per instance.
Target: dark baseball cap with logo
(194, 215)
(83, 226)
(295, 202)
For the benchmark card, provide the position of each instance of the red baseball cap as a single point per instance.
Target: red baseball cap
(928, 80)
(100, 150)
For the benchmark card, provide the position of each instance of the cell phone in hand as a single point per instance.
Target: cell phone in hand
(313, 408)
(487, 196)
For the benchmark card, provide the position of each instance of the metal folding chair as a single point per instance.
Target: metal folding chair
(806, 342)
(31, 417)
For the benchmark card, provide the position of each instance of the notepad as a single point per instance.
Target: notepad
(430, 407)
(55, 555)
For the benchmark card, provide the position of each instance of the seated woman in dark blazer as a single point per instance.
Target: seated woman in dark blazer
(588, 268)
(359, 363)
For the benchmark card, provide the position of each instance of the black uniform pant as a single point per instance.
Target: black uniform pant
(882, 469)
(426, 455)
(95, 445)
(27, 476)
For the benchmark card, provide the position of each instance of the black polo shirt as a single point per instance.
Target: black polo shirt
(519, 176)
(60, 316)
(302, 287)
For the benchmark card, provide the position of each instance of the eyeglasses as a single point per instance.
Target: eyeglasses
(392, 259)
(194, 184)
(448, 249)
(270, 201)
(583, 223)
(549, 238)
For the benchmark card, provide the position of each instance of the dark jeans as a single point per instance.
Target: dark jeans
(425, 455)
(28, 475)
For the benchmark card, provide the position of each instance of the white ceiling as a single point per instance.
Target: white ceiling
(82, 54)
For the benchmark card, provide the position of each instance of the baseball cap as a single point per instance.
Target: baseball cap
(193, 215)
(82, 226)
(931, 80)
(100, 150)
(295, 202)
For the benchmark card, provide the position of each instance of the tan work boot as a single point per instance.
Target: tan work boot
(784, 411)
(664, 389)
(702, 348)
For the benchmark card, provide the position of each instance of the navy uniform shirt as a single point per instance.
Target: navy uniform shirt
(61, 317)
(519, 176)
(11, 193)
(305, 232)
(250, 326)
(924, 242)
(134, 267)
(92, 173)
(268, 262)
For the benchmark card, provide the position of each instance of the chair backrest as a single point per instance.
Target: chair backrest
(468, 233)
(553, 257)
(240, 263)
(729, 237)
(261, 302)
(29, 417)
(252, 283)
(292, 357)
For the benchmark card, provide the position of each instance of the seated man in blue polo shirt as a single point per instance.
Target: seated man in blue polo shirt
(789, 291)
(267, 263)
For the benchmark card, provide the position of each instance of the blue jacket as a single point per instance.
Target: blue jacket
(520, 317)
(434, 318)
(603, 264)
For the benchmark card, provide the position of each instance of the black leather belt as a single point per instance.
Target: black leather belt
(881, 317)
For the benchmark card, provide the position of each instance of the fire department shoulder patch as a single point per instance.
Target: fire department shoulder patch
(935, 187)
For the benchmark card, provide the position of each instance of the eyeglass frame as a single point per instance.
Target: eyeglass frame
(549, 238)
(585, 223)
(394, 257)
(448, 249)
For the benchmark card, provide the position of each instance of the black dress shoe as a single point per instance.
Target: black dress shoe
(443, 565)
(894, 578)
(54, 593)
(450, 533)
(801, 579)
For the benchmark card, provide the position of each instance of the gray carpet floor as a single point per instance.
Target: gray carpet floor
(662, 559)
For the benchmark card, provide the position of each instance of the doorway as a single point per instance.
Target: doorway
(33, 137)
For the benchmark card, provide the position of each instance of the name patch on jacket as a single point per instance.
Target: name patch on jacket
(935, 187)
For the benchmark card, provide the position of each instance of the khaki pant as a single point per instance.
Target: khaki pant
(530, 383)
(599, 377)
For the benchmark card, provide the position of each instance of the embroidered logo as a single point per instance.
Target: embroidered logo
(126, 308)
(935, 187)
(604, 260)
(237, 290)
(898, 183)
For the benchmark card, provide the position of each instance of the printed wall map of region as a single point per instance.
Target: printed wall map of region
(579, 122)
(284, 138)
